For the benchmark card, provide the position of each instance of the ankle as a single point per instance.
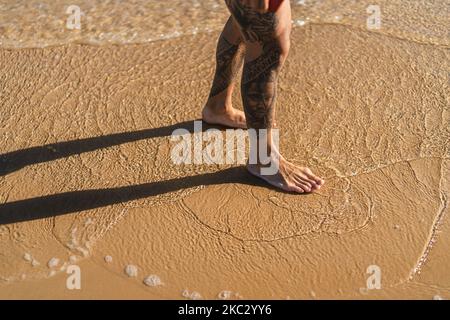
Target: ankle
(219, 103)
(263, 155)
(218, 107)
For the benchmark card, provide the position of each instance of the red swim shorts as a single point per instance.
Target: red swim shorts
(274, 4)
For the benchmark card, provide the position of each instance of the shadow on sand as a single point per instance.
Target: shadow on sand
(69, 202)
(75, 201)
(16, 160)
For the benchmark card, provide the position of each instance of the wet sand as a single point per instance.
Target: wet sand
(86, 172)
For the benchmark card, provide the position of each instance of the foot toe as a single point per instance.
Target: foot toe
(295, 188)
(304, 186)
(313, 177)
(306, 181)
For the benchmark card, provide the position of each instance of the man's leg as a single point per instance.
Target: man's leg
(229, 61)
(266, 36)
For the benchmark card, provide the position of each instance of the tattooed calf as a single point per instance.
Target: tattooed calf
(259, 79)
(229, 60)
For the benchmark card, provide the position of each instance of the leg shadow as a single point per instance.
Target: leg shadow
(16, 160)
(75, 201)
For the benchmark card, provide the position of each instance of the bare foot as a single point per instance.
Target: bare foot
(289, 177)
(229, 117)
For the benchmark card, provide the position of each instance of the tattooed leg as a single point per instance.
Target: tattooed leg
(266, 36)
(229, 61)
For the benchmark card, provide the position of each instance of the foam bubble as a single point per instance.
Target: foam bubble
(194, 295)
(28, 257)
(131, 270)
(152, 281)
(299, 22)
(224, 295)
(53, 262)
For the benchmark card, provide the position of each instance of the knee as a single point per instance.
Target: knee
(284, 38)
(285, 45)
(281, 43)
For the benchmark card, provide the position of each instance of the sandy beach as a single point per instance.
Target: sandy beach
(86, 173)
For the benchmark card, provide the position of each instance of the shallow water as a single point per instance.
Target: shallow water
(33, 23)
(389, 173)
